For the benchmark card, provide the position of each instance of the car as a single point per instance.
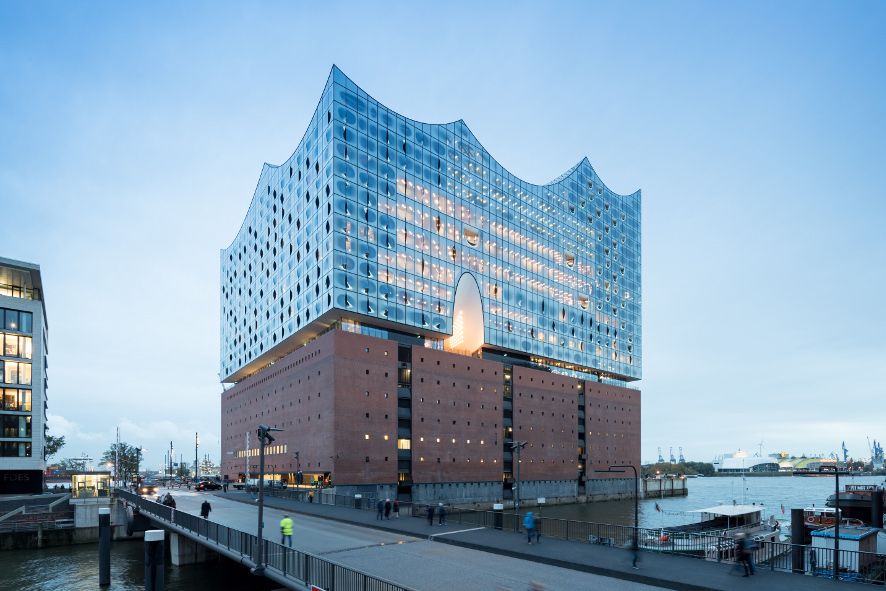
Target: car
(148, 489)
(208, 485)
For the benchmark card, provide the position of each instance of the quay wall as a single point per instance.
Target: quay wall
(47, 538)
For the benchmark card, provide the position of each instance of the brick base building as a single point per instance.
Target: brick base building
(388, 417)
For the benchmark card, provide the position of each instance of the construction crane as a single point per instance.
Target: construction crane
(681, 458)
(660, 457)
(760, 453)
(673, 459)
(876, 454)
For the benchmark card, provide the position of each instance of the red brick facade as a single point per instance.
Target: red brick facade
(336, 399)
(612, 419)
(458, 401)
(546, 416)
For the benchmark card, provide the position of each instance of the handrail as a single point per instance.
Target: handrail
(287, 564)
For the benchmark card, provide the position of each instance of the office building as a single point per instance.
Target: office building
(23, 336)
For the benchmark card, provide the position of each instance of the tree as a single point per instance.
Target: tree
(127, 458)
(52, 445)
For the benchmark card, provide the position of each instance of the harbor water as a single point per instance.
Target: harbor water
(772, 492)
(72, 568)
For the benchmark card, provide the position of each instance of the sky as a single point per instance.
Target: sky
(132, 136)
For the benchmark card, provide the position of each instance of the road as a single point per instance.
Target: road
(415, 562)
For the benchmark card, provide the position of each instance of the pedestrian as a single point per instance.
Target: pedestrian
(529, 525)
(380, 510)
(225, 485)
(311, 497)
(442, 511)
(205, 508)
(169, 501)
(286, 531)
(430, 515)
(743, 551)
(387, 508)
(396, 509)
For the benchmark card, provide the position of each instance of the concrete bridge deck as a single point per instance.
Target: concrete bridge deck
(410, 560)
(490, 559)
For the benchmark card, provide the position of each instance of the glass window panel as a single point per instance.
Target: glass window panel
(24, 373)
(10, 399)
(26, 322)
(25, 400)
(10, 372)
(10, 348)
(11, 320)
(25, 347)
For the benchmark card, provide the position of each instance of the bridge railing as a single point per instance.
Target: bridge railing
(300, 567)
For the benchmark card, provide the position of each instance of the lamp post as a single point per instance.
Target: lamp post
(516, 446)
(196, 443)
(264, 438)
(138, 457)
(837, 517)
(620, 469)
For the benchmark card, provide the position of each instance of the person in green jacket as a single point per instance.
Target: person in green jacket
(286, 531)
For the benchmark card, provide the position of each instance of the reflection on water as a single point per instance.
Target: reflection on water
(76, 567)
(772, 492)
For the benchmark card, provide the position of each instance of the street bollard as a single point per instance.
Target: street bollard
(154, 560)
(104, 546)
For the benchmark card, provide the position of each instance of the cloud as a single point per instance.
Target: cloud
(59, 425)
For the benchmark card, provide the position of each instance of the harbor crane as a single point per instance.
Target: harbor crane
(876, 454)
(681, 459)
(672, 458)
(660, 457)
(845, 453)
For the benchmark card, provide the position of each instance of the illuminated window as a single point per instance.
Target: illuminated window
(366, 436)
(405, 443)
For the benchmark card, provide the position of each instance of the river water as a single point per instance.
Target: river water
(772, 492)
(72, 568)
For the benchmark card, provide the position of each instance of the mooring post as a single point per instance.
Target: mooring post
(154, 560)
(104, 546)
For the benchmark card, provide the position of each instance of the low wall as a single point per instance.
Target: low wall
(27, 540)
(663, 487)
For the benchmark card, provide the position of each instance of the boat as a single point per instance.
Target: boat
(714, 534)
(815, 518)
(855, 496)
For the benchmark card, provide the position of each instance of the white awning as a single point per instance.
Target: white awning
(730, 510)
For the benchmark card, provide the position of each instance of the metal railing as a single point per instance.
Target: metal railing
(294, 565)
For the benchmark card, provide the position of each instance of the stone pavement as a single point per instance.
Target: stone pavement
(667, 571)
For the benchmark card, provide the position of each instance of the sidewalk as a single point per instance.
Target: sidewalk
(668, 571)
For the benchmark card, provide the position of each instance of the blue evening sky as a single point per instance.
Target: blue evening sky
(132, 137)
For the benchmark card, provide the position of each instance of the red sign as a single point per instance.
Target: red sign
(315, 588)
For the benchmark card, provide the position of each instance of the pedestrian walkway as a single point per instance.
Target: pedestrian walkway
(668, 571)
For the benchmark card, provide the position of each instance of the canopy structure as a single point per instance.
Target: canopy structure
(730, 510)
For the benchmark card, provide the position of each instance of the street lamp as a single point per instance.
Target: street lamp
(837, 517)
(620, 469)
(264, 438)
(516, 446)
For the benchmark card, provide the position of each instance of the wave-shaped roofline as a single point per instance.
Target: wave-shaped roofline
(330, 79)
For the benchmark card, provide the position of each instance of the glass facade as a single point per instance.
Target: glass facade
(375, 219)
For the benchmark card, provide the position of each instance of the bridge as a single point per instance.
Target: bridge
(344, 548)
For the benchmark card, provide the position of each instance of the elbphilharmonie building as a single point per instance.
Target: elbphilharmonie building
(391, 273)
